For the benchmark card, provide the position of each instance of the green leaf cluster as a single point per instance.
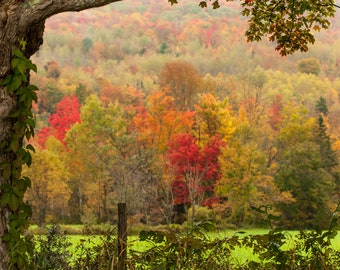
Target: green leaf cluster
(288, 23)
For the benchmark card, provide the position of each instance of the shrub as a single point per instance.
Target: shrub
(51, 251)
(96, 255)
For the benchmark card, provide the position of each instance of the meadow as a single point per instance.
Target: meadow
(76, 234)
(192, 248)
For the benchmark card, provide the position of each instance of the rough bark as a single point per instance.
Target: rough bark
(22, 20)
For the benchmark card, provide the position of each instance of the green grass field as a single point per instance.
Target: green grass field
(240, 255)
(75, 234)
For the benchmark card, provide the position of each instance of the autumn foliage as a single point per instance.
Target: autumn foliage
(67, 113)
(177, 113)
(195, 170)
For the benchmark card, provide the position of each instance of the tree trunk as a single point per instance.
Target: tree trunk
(23, 20)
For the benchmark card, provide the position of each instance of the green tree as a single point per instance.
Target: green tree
(321, 106)
(302, 170)
(85, 176)
(91, 179)
(87, 44)
(246, 178)
(113, 167)
(328, 155)
(309, 66)
(164, 48)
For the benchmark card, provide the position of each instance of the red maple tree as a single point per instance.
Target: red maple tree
(195, 170)
(67, 113)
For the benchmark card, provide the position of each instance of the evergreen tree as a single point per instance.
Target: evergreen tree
(305, 168)
(321, 106)
(329, 159)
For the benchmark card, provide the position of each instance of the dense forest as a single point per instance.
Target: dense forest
(170, 110)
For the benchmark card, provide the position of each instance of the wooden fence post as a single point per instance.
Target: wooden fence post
(122, 236)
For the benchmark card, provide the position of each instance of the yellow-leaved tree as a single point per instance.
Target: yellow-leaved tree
(213, 118)
(50, 190)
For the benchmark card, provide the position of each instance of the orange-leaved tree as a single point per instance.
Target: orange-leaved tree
(182, 81)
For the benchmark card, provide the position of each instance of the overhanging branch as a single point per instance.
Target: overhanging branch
(37, 11)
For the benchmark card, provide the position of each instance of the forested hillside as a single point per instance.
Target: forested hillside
(170, 110)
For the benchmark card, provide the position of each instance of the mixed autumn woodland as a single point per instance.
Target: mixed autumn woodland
(169, 110)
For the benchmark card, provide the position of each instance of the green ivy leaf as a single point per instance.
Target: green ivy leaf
(32, 87)
(34, 96)
(5, 198)
(4, 164)
(28, 134)
(19, 54)
(15, 62)
(32, 66)
(30, 122)
(6, 173)
(28, 101)
(20, 188)
(27, 158)
(30, 147)
(6, 237)
(21, 67)
(28, 182)
(23, 77)
(14, 84)
(6, 80)
(25, 212)
(17, 163)
(16, 172)
(14, 145)
(14, 223)
(13, 202)
(14, 114)
(23, 96)
(21, 153)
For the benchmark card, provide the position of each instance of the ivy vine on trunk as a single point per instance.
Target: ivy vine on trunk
(14, 186)
(22, 20)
